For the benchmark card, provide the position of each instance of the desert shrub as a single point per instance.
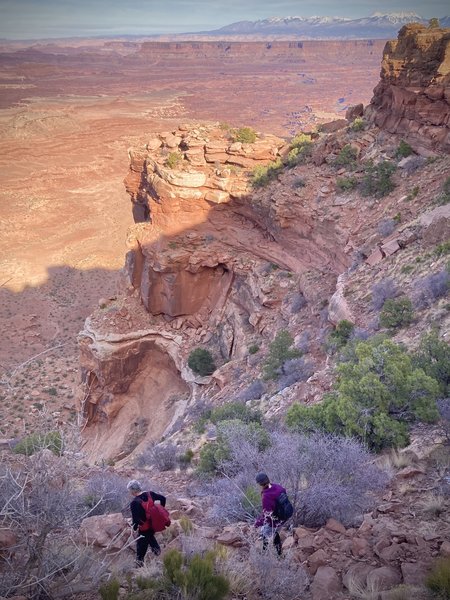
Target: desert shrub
(280, 350)
(444, 412)
(104, 493)
(253, 349)
(253, 392)
(235, 410)
(245, 135)
(340, 336)
(346, 157)
(217, 457)
(184, 578)
(385, 289)
(378, 392)
(185, 459)
(396, 313)
(298, 302)
(201, 362)
(442, 249)
(438, 581)
(358, 124)
(433, 23)
(163, 456)
(300, 149)
(40, 503)
(444, 198)
(346, 184)
(433, 356)
(403, 150)
(173, 160)
(386, 227)
(377, 180)
(325, 476)
(262, 175)
(110, 589)
(427, 290)
(35, 442)
(294, 370)
(299, 182)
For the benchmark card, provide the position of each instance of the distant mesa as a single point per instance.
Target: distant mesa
(378, 26)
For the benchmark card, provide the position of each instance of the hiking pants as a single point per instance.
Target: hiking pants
(144, 542)
(268, 532)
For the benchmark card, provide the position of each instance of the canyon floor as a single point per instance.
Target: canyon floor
(68, 114)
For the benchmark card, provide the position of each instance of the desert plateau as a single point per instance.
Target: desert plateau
(225, 290)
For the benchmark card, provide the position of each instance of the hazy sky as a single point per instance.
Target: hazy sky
(58, 18)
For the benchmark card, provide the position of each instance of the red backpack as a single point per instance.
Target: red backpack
(156, 516)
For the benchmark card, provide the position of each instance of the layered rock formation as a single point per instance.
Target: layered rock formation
(413, 96)
(197, 272)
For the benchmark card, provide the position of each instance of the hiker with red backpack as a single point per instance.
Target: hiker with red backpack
(148, 518)
(277, 509)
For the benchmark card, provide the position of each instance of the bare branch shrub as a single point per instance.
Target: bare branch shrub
(444, 412)
(325, 476)
(430, 288)
(105, 492)
(298, 302)
(293, 370)
(162, 456)
(254, 391)
(386, 227)
(41, 506)
(382, 291)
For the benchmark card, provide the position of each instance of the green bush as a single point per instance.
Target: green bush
(173, 160)
(340, 336)
(442, 249)
(433, 356)
(300, 149)
(346, 184)
(438, 581)
(110, 589)
(378, 392)
(245, 135)
(214, 454)
(358, 124)
(396, 313)
(377, 180)
(262, 175)
(280, 350)
(403, 150)
(201, 361)
(433, 23)
(253, 349)
(234, 410)
(346, 157)
(40, 441)
(185, 459)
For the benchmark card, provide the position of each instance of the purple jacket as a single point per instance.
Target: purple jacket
(269, 499)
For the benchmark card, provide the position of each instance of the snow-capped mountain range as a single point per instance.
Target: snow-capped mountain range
(378, 25)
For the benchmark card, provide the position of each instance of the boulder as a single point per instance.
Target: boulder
(105, 531)
(326, 584)
(316, 560)
(384, 578)
(334, 525)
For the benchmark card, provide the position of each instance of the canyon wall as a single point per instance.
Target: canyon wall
(413, 96)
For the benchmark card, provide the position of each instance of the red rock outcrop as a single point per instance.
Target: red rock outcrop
(413, 96)
(198, 270)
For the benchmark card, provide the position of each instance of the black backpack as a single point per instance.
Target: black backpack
(283, 507)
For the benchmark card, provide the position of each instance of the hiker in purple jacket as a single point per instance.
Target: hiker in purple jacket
(268, 522)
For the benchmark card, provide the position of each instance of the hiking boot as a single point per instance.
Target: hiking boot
(156, 551)
(138, 564)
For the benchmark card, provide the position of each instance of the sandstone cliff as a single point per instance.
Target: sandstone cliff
(214, 262)
(413, 96)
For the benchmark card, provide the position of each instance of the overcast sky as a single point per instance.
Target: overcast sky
(59, 18)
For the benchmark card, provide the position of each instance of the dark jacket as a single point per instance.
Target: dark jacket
(137, 510)
(269, 500)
